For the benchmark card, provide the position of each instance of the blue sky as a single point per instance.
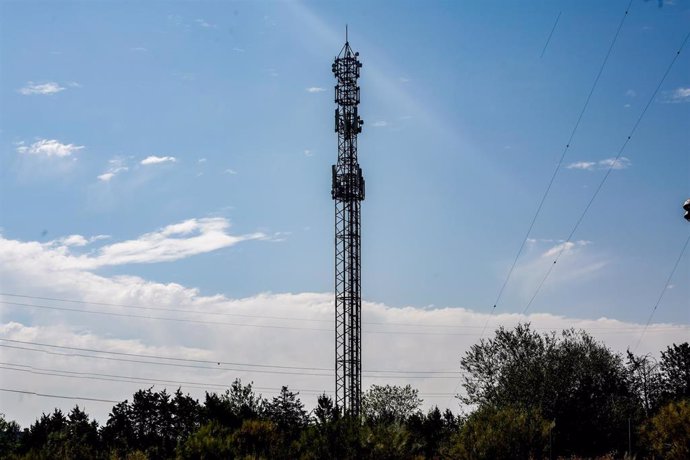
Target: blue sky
(123, 118)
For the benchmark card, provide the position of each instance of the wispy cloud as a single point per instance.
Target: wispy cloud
(173, 242)
(380, 124)
(170, 243)
(203, 23)
(153, 160)
(238, 50)
(587, 165)
(48, 148)
(620, 163)
(115, 166)
(613, 163)
(32, 88)
(79, 240)
(565, 247)
(139, 49)
(678, 95)
(230, 171)
(315, 89)
(308, 153)
(630, 93)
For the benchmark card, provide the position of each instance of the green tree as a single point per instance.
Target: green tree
(509, 432)
(287, 413)
(259, 439)
(286, 410)
(186, 416)
(667, 434)
(645, 381)
(570, 378)
(40, 438)
(81, 436)
(212, 441)
(390, 403)
(231, 408)
(332, 434)
(118, 432)
(675, 371)
(10, 433)
(431, 432)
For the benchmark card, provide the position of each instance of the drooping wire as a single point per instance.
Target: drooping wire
(285, 318)
(612, 166)
(560, 160)
(663, 291)
(222, 323)
(548, 40)
(46, 395)
(196, 363)
(140, 380)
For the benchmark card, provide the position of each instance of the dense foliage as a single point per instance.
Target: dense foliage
(532, 396)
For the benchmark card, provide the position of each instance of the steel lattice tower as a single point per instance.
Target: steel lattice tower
(347, 191)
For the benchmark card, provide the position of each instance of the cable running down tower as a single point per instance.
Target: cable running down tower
(348, 191)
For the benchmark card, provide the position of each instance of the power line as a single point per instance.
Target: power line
(663, 291)
(167, 358)
(139, 380)
(161, 318)
(158, 308)
(382, 323)
(608, 173)
(548, 40)
(221, 323)
(45, 395)
(194, 363)
(560, 160)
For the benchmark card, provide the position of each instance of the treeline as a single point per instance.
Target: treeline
(531, 395)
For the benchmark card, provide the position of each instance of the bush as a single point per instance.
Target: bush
(667, 434)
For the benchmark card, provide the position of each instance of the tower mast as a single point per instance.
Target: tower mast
(348, 191)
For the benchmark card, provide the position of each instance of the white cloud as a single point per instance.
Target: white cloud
(630, 93)
(620, 163)
(262, 329)
(152, 160)
(32, 88)
(205, 24)
(115, 166)
(587, 165)
(173, 242)
(48, 148)
(238, 50)
(565, 247)
(578, 263)
(201, 160)
(315, 89)
(230, 171)
(613, 163)
(308, 153)
(74, 240)
(139, 49)
(380, 124)
(680, 95)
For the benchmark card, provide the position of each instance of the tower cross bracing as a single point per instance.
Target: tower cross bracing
(348, 192)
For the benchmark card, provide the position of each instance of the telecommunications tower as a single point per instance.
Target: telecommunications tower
(348, 191)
